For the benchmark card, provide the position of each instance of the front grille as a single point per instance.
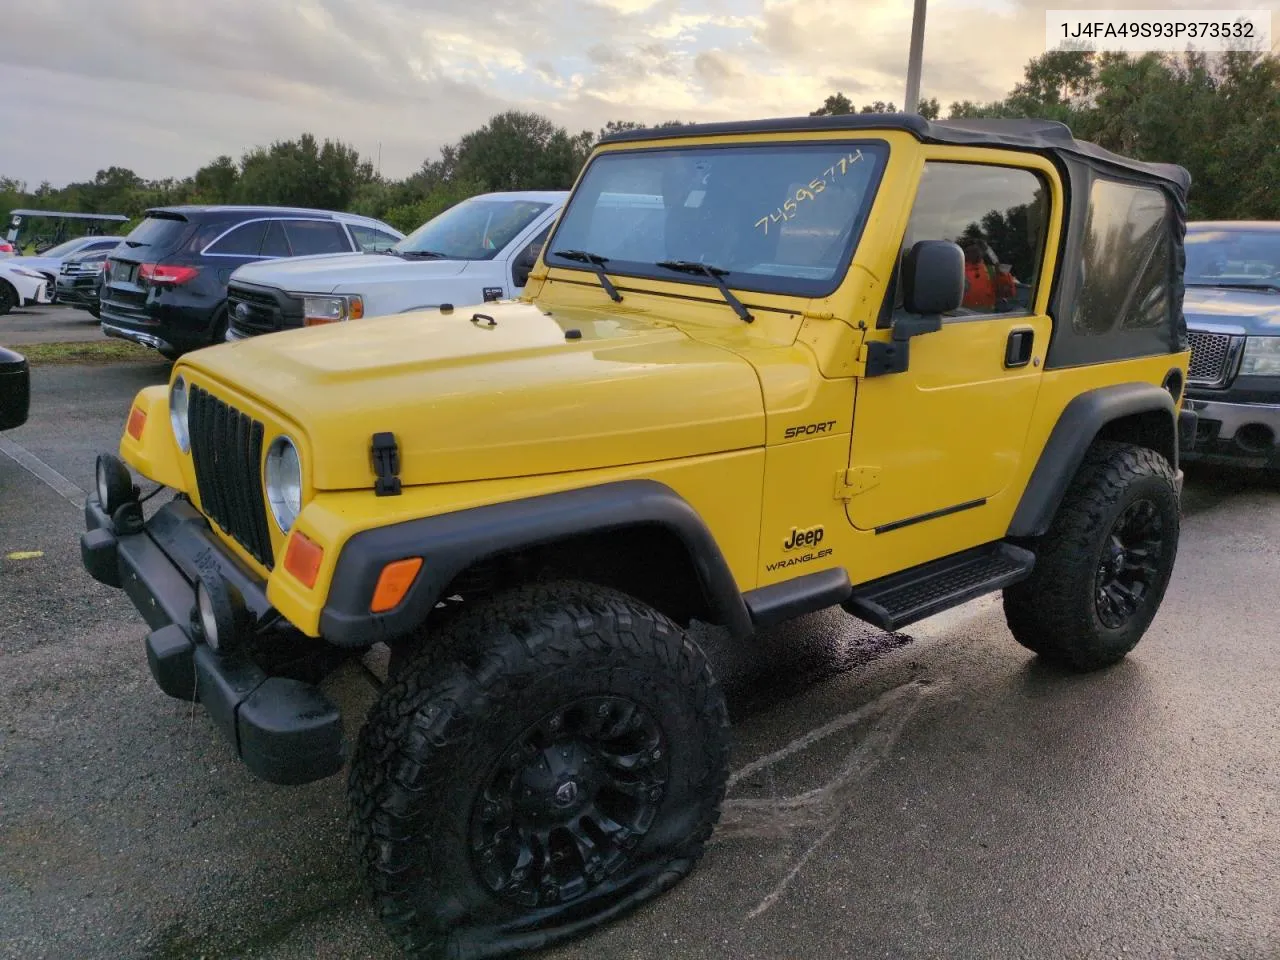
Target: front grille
(255, 311)
(1209, 353)
(226, 446)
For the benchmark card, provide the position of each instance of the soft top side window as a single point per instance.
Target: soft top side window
(1126, 260)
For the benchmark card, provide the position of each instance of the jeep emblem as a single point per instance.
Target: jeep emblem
(803, 538)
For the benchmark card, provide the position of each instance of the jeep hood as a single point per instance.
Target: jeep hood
(1249, 311)
(468, 400)
(325, 272)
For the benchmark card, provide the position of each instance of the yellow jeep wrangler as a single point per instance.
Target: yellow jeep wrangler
(759, 369)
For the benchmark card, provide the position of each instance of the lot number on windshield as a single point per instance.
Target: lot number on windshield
(789, 209)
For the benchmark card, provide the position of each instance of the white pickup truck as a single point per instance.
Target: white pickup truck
(480, 250)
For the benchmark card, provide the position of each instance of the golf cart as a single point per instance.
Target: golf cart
(56, 227)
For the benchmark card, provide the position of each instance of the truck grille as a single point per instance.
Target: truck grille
(226, 446)
(253, 311)
(1209, 353)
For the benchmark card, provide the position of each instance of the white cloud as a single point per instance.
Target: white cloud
(136, 86)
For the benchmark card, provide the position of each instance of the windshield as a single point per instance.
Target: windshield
(476, 229)
(62, 249)
(1232, 257)
(156, 232)
(777, 217)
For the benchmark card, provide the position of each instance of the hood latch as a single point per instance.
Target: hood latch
(386, 465)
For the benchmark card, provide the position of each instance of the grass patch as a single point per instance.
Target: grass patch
(89, 352)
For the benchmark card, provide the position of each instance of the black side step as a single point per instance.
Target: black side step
(894, 601)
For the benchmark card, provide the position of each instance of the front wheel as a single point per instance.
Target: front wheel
(8, 297)
(1103, 567)
(556, 757)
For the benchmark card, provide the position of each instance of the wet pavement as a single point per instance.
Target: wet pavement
(933, 794)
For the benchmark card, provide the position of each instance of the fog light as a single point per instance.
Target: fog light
(220, 613)
(114, 483)
(208, 617)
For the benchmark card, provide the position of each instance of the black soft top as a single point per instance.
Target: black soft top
(1042, 136)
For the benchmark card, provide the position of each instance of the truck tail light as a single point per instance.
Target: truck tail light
(165, 275)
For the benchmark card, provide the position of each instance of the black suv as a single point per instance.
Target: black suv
(165, 286)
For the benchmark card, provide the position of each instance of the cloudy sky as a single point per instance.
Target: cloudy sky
(162, 87)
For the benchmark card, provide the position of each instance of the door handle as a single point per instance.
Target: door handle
(1019, 347)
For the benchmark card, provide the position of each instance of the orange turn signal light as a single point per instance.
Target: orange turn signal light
(137, 420)
(302, 558)
(393, 583)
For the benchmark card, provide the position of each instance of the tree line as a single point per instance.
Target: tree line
(1216, 115)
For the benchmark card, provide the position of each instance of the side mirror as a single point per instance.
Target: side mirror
(15, 389)
(525, 263)
(932, 284)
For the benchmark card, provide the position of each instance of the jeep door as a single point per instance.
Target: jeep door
(944, 437)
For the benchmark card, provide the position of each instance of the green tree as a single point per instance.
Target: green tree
(835, 105)
(216, 182)
(303, 173)
(520, 151)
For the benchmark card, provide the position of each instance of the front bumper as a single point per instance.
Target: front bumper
(1241, 433)
(284, 730)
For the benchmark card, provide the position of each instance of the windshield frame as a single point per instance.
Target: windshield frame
(772, 285)
(1230, 281)
(75, 243)
(400, 248)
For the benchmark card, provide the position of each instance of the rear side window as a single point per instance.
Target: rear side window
(275, 244)
(371, 240)
(307, 237)
(1126, 263)
(244, 241)
(158, 233)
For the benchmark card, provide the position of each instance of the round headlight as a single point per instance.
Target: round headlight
(284, 482)
(178, 413)
(208, 617)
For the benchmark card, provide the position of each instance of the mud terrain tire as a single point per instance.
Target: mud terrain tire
(1104, 564)
(556, 757)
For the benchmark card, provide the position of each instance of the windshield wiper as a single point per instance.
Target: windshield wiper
(421, 254)
(597, 262)
(716, 274)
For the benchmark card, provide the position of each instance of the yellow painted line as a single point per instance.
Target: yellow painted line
(24, 555)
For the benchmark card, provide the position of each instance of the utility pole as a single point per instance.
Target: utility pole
(912, 104)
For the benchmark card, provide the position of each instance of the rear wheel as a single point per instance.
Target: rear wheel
(1103, 567)
(8, 297)
(556, 757)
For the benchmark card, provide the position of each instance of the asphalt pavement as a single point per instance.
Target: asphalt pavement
(48, 323)
(935, 794)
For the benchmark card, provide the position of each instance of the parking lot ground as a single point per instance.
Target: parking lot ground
(48, 324)
(940, 794)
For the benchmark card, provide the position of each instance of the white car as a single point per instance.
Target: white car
(20, 286)
(479, 250)
(49, 263)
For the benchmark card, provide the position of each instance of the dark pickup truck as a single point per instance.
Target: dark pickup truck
(1232, 306)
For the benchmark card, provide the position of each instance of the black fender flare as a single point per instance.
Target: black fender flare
(1077, 427)
(451, 542)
